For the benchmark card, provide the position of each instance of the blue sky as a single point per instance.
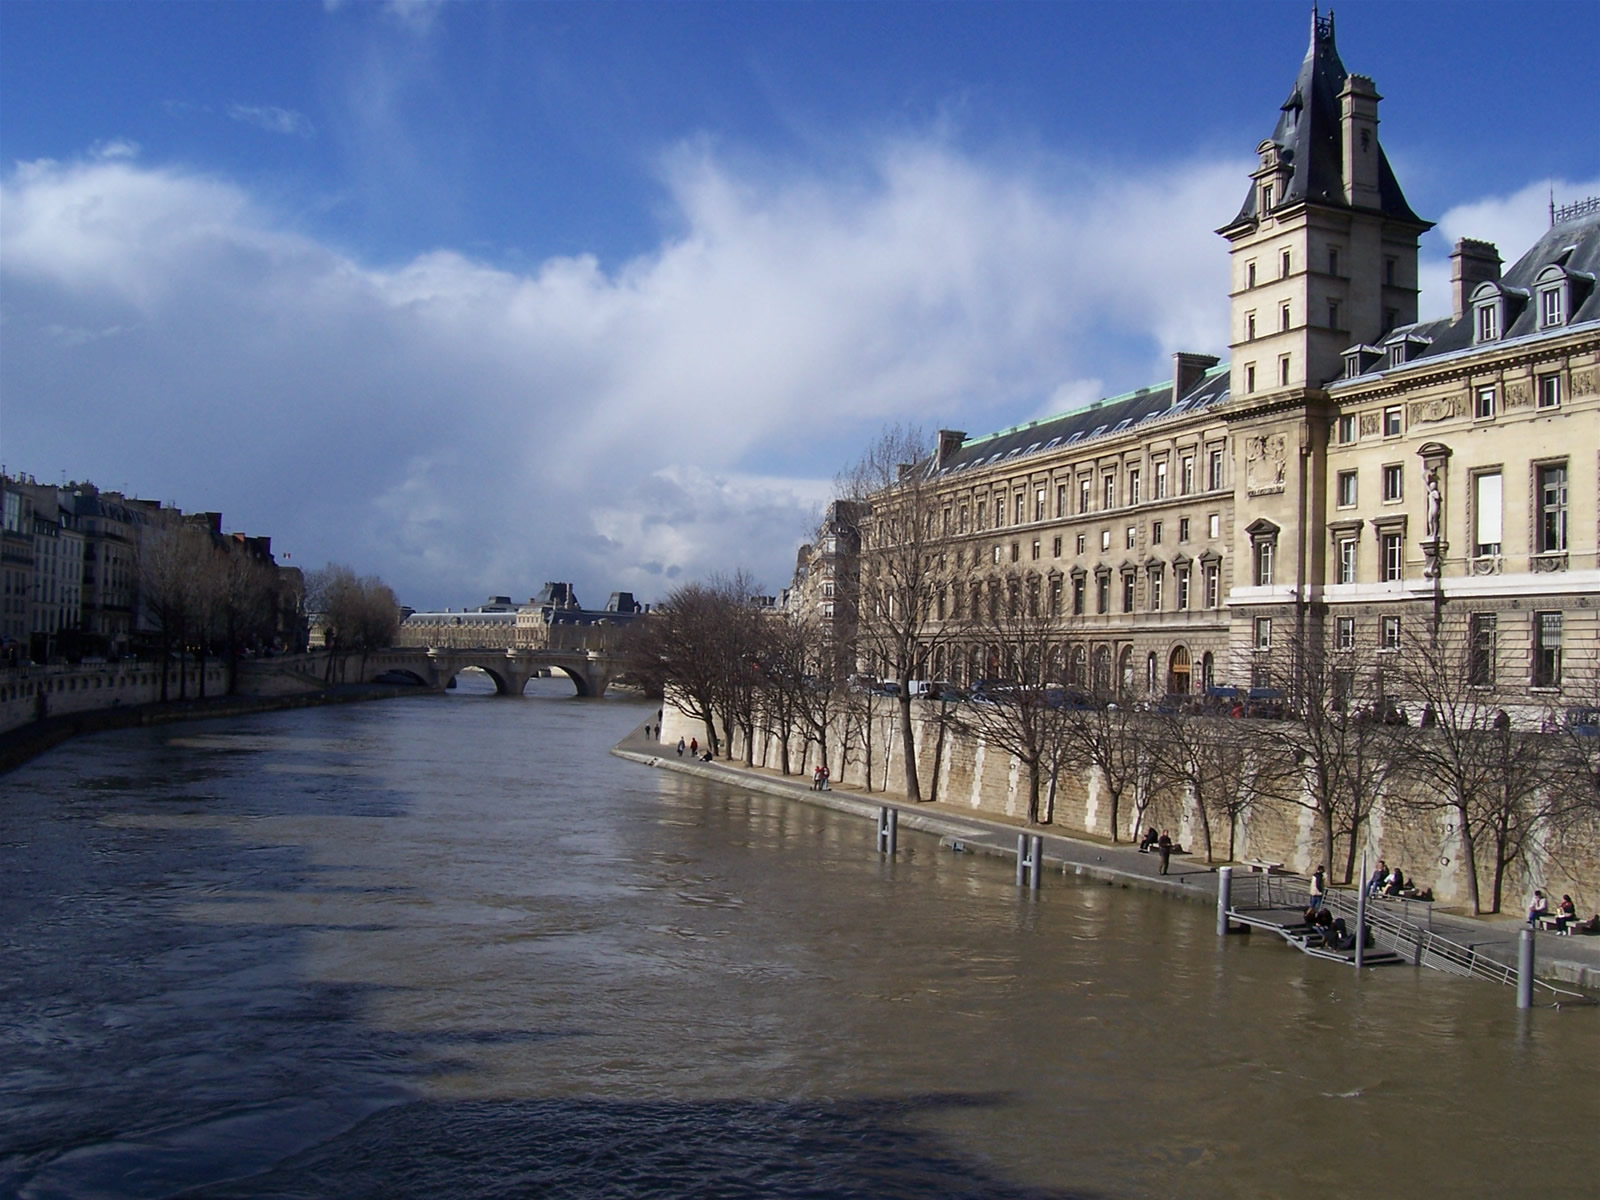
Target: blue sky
(477, 295)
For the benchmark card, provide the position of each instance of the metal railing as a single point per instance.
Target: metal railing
(1393, 931)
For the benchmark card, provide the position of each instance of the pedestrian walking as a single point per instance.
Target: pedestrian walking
(816, 778)
(1319, 888)
(694, 747)
(1164, 844)
(680, 747)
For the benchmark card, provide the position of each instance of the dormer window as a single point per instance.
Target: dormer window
(1487, 306)
(1266, 197)
(1554, 292)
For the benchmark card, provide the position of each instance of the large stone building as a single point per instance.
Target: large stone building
(1354, 478)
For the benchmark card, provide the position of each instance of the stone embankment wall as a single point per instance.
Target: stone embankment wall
(962, 770)
(31, 693)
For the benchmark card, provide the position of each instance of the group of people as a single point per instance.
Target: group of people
(819, 778)
(694, 750)
(1387, 881)
(1565, 914)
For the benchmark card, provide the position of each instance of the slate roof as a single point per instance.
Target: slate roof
(1574, 245)
(1102, 419)
(1308, 138)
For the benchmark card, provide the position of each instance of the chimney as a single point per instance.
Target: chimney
(1188, 370)
(1358, 140)
(949, 442)
(1471, 263)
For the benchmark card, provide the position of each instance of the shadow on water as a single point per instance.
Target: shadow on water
(618, 1151)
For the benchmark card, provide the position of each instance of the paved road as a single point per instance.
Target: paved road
(1571, 959)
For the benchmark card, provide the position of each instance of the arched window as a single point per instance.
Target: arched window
(1125, 671)
(1078, 672)
(1102, 670)
(1208, 671)
(1178, 672)
(1150, 672)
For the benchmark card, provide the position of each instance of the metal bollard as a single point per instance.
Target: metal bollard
(1036, 861)
(1224, 898)
(888, 830)
(1525, 970)
(1022, 859)
(1361, 916)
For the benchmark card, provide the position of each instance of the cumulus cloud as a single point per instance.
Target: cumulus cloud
(465, 429)
(1512, 222)
(273, 119)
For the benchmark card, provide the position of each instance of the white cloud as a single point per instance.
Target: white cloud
(273, 119)
(1512, 222)
(114, 149)
(464, 429)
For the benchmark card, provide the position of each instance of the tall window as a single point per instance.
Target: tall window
(1102, 592)
(1019, 506)
(1084, 486)
(1263, 633)
(1038, 504)
(1250, 274)
(1183, 529)
(1347, 428)
(1347, 489)
(1213, 585)
(1214, 525)
(1183, 587)
(1077, 595)
(1161, 480)
(1055, 595)
(1061, 500)
(1347, 560)
(983, 515)
(1130, 537)
(1284, 262)
(1394, 557)
(1127, 591)
(1549, 391)
(1553, 508)
(1214, 468)
(1345, 633)
(1108, 492)
(1488, 322)
(1283, 370)
(1186, 475)
(1134, 495)
(1484, 406)
(1155, 533)
(1480, 651)
(1082, 543)
(1486, 502)
(1156, 580)
(1263, 562)
(1249, 377)
(1547, 649)
(1392, 422)
(1283, 319)
(1391, 634)
(1550, 308)
(1036, 549)
(1333, 260)
(1394, 482)
(1055, 546)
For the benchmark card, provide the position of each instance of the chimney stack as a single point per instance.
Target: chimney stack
(1358, 137)
(1471, 263)
(1188, 370)
(950, 441)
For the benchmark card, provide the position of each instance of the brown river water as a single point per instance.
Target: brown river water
(448, 946)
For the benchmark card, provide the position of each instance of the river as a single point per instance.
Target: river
(448, 946)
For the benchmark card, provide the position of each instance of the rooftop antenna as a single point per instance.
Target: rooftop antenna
(1552, 204)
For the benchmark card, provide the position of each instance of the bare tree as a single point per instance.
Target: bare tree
(1322, 737)
(173, 554)
(360, 614)
(892, 495)
(1022, 630)
(1470, 757)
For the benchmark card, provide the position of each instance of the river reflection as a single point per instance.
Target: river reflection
(450, 947)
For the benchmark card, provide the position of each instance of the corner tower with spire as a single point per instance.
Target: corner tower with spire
(1324, 248)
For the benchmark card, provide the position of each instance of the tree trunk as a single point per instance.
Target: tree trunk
(1469, 856)
(913, 785)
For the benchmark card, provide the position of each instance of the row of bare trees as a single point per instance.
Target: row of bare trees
(359, 613)
(204, 595)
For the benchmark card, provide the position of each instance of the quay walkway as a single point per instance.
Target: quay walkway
(1491, 941)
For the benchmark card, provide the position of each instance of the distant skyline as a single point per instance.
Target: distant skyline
(479, 295)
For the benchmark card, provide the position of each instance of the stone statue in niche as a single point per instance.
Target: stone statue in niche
(1435, 502)
(1266, 460)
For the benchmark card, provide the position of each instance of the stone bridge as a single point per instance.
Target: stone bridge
(434, 667)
